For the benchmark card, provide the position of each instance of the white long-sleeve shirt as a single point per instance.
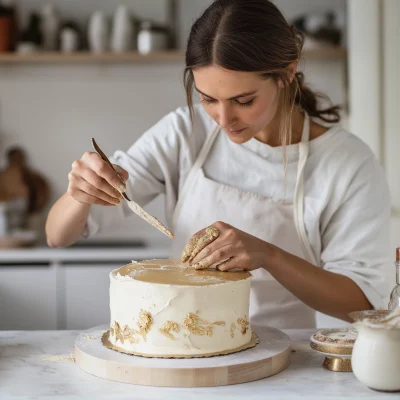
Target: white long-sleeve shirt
(346, 197)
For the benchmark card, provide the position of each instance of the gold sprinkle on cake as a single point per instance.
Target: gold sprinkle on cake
(244, 324)
(168, 327)
(194, 324)
(233, 327)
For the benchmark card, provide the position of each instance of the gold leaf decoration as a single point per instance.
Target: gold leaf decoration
(124, 334)
(244, 324)
(118, 332)
(233, 327)
(144, 323)
(194, 324)
(130, 334)
(168, 327)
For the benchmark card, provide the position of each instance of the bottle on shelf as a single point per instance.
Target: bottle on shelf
(98, 32)
(123, 30)
(31, 38)
(8, 25)
(394, 301)
(50, 26)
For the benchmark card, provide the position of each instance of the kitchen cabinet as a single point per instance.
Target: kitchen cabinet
(44, 288)
(28, 297)
(86, 295)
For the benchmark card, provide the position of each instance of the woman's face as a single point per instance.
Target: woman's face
(242, 103)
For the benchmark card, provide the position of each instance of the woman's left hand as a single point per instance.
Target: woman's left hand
(226, 247)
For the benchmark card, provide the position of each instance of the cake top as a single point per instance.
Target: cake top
(174, 272)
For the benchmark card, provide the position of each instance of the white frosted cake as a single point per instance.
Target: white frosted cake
(162, 308)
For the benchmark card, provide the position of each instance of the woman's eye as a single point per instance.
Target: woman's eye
(246, 104)
(207, 101)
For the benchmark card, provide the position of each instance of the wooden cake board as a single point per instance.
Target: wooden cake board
(269, 357)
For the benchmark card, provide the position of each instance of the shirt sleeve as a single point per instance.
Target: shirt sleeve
(356, 236)
(153, 166)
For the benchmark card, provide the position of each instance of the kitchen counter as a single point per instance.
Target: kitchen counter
(73, 254)
(38, 363)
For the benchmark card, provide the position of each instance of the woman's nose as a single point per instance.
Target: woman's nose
(226, 117)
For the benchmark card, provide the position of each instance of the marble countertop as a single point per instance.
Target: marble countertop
(38, 364)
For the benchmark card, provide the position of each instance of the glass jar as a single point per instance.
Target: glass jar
(376, 352)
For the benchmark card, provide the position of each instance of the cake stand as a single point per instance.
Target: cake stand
(337, 346)
(269, 357)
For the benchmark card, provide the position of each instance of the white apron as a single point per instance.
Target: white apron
(204, 201)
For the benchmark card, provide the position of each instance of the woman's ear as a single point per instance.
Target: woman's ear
(292, 68)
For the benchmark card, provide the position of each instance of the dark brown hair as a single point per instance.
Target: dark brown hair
(253, 36)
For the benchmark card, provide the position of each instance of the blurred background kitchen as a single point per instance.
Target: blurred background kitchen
(75, 69)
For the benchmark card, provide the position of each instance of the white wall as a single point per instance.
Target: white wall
(374, 93)
(365, 94)
(54, 110)
(391, 116)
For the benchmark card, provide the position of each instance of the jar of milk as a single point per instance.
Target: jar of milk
(376, 353)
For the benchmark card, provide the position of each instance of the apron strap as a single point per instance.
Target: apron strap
(298, 203)
(201, 157)
(205, 150)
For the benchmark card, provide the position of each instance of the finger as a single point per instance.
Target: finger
(232, 264)
(101, 184)
(215, 258)
(191, 244)
(82, 185)
(207, 250)
(121, 172)
(86, 198)
(101, 168)
(211, 233)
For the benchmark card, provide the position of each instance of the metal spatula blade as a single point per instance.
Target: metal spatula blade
(132, 205)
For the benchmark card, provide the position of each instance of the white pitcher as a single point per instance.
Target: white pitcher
(376, 353)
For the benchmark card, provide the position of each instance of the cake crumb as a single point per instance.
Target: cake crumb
(88, 337)
(58, 357)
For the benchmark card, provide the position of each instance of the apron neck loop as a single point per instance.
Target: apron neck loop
(298, 203)
(206, 149)
(305, 135)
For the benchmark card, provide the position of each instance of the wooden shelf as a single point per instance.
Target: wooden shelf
(326, 52)
(134, 57)
(88, 58)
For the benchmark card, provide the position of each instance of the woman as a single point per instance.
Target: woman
(253, 174)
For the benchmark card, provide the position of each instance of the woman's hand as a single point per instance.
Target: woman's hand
(227, 248)
(93, 181)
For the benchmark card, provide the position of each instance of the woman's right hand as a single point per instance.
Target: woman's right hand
(93, 181)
